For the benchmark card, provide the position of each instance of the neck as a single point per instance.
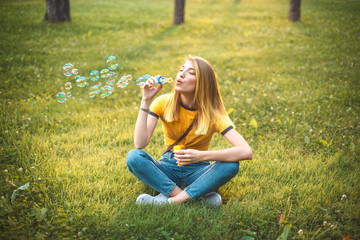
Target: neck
(187, 100)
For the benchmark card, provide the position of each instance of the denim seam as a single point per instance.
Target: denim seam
(190, 195)
(174, 184)
(189, 187)
(198, 173)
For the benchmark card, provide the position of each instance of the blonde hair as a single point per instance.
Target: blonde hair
(207, 97)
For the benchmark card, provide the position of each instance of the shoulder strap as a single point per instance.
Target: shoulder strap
(182, 136)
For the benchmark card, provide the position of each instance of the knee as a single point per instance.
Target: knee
(231, 168)
(133, 158)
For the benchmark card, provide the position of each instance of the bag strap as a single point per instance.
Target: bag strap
(169, 148)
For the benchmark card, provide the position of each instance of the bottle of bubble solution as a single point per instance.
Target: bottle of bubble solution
(141, 81)
(176, 148)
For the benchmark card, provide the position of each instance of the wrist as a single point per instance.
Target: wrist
(204, 156)
(145, 103)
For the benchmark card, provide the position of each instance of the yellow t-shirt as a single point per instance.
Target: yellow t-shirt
(174, 130)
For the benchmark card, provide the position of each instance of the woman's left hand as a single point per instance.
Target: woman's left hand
(188, 156)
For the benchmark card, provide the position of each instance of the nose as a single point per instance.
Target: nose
(182, 74)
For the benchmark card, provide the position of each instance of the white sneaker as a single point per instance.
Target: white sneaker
(213, 199)
(146, 199)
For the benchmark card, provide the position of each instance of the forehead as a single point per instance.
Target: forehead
(188, 64)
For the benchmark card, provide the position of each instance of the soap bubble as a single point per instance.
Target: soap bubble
(112, 63)
(142, 80)
(96, 89)
(107, 91)
(75, 71)
(61, 96)
(68, 86)
(68, 68)
(92, 94)
(111, 79)
(112, 76)
(94, 75)
(80, 81)
(104, 73)
(124, 81)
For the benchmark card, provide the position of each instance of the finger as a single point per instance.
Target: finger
(159, 87)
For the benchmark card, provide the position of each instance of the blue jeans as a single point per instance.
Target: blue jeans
(199, 178)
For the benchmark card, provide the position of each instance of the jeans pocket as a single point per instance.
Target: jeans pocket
(167, 157)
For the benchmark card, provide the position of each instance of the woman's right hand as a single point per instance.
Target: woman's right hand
(149, 90)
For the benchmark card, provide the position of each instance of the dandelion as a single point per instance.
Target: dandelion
(300, 232)
(21, 169)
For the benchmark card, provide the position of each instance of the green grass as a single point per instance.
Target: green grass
(292, 90)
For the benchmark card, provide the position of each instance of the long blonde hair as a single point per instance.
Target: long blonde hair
(207, 97)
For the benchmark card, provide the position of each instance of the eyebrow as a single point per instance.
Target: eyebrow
(189, 68)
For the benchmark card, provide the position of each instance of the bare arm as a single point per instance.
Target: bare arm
(240, 151)
(145, 123)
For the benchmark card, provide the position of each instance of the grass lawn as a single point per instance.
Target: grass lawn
(291, 89)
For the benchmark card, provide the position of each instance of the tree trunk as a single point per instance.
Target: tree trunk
(294, 11)
(179, 12)
(57, 10)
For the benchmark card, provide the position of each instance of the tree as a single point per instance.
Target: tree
(179, 11)
(294, 11)
(57, 10)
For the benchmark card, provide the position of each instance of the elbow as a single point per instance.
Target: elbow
(250, 154)
(139, 145)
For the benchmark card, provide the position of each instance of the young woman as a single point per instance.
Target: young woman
(195, 96)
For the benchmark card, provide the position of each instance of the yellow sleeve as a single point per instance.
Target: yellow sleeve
(224, 124)
(157, 107)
